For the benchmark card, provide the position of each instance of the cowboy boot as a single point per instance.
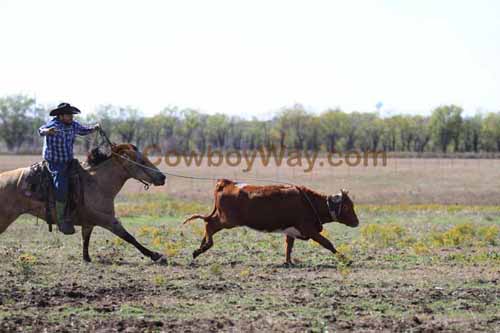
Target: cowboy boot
(63, 222)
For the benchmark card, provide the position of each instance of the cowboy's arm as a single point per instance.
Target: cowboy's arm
(85, 130)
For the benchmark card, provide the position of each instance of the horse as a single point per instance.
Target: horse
(102, 177)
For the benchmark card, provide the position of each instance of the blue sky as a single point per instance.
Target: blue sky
(253, 57)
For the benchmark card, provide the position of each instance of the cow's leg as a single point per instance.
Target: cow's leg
(323, 242)
(288, 252)
(211, 228)
(86, 232)
(117, 228)
(328, 245)
(204, 240)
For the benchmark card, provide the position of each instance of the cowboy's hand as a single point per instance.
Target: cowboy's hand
(51, 131)
(97, 127)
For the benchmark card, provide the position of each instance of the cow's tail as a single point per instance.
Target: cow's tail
(221, 183)
(206, 218)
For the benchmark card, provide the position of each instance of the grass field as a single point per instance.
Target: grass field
(425, 260)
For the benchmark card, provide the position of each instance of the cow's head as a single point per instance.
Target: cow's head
(342, 209)
(137, 165)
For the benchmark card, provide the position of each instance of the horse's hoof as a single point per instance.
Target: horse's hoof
(66, 228)
(344, 260)
(162, 260)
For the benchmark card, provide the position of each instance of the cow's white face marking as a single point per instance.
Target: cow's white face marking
(241, 185)
(337, 199)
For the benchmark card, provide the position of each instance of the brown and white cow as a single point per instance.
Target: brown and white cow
(296, 211)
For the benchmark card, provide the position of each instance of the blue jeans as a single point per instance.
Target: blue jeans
(60, 179)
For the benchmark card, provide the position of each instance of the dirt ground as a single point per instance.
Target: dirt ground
(242, 285)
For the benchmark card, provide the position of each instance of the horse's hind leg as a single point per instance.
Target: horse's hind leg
(86, 232)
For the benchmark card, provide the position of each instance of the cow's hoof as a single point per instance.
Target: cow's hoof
(288, 264)
(87, 260)
(195, 254)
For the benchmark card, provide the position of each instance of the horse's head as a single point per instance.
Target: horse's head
(137, 165)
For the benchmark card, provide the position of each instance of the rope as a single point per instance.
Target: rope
(199, 178)
(106, 139)
(215, 179)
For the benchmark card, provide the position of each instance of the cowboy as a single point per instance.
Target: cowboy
(59, 136)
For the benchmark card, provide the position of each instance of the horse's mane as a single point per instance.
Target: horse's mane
(96, 156)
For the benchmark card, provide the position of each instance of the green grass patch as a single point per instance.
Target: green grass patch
(159, 204)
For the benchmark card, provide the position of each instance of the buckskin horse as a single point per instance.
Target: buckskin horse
(102, 179)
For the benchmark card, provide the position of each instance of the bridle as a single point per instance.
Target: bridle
(139, 160)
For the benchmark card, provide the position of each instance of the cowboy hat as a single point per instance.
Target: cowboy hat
(64, 108)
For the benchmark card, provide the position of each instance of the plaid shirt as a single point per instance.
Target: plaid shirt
(59, 147)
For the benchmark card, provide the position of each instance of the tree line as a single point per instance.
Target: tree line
(185, 130)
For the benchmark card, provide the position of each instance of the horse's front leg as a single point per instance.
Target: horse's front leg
(7, 220)
(86, 232)
(117, 228)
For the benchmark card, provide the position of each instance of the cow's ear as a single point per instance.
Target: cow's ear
(344, 191)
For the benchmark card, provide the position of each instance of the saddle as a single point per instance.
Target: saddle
(39, 186)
